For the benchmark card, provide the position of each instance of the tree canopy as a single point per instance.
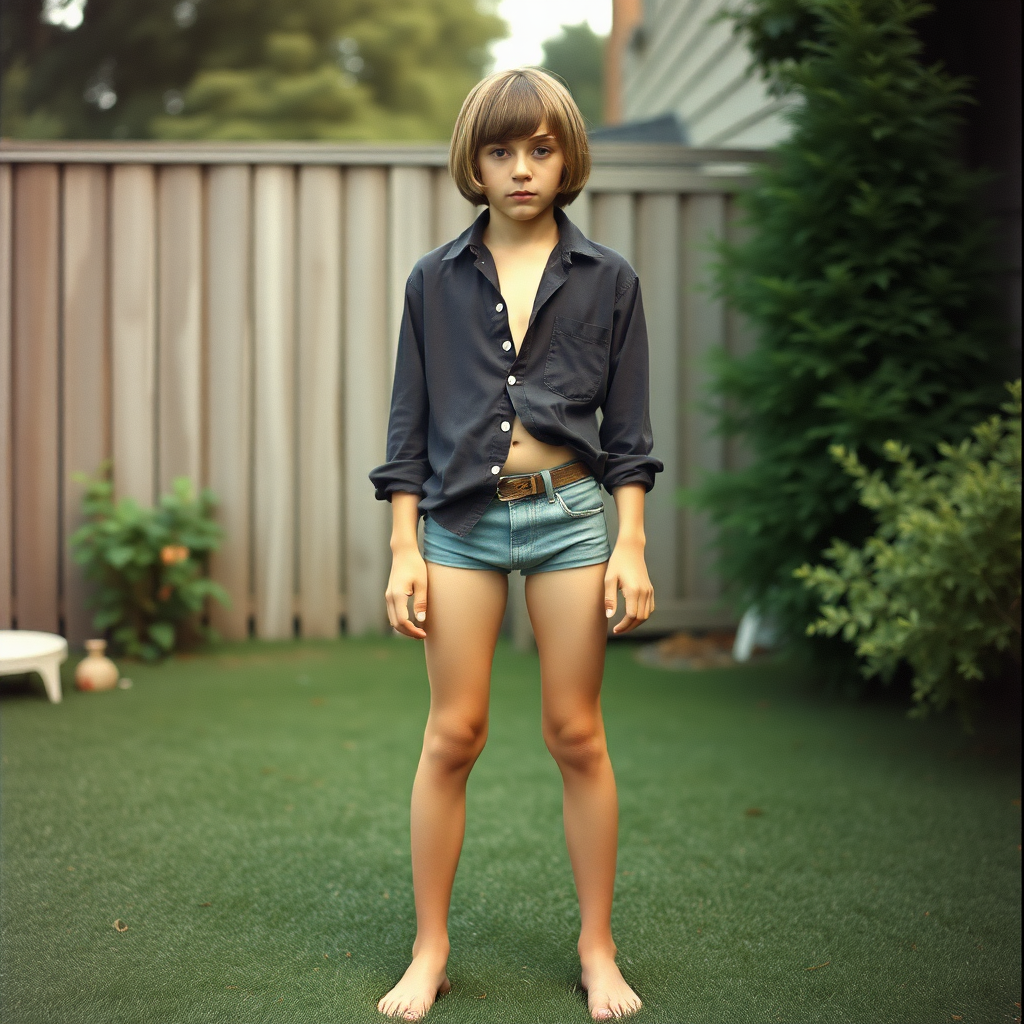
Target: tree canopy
(576, 55)
(241, 69)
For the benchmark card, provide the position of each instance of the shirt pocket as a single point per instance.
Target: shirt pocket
(577, 359)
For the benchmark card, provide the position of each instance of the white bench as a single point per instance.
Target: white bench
(25, 650)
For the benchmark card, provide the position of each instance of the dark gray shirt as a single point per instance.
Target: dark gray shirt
(459, 383)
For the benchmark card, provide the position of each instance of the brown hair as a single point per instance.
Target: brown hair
(510, 105)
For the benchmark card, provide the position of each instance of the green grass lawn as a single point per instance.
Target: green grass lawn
(245, 813)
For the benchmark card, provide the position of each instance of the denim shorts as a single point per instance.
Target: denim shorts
(556, 529)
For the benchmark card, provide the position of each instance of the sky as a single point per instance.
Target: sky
(533, 21)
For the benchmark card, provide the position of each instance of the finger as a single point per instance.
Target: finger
(632, 597)
(629, 620)
(611, 586)
(419, 599)
(405, 624)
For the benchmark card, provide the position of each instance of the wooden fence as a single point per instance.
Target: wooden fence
(230, 312)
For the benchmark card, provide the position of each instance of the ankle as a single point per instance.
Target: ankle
(436, 947)
(596, 949)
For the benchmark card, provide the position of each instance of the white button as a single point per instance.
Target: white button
(512, 379)
(499, 307)
(506, 345)
(495, 470)
(505, 425)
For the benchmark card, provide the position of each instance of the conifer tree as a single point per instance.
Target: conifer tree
(866, 281)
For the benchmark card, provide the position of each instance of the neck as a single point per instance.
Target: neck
(503, 231)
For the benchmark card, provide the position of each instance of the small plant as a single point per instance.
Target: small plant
(149, 564)
(939, 583)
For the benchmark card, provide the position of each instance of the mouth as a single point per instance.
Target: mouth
(522, 195)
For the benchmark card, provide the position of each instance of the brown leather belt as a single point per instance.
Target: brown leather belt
(523, 485)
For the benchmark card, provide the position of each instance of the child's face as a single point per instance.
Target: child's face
(521, 177)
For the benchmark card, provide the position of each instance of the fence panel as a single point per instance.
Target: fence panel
(133, 329)
(180, 272)
(319, 399)
(229, 387)
(657, 264)
(274, 428)
(6, 402)
(86, 378)
(37, 546)
(366, 373)
(410, 222)
(230, 312)
(705, 329)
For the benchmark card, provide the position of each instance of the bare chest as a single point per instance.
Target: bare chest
(519, 279)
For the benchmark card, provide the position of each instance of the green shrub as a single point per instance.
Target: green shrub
(149, 564)
(866, 281)
(938, 585)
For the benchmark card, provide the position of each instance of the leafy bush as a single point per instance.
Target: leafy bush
(149, 564)
(867, 282)
(939, 583)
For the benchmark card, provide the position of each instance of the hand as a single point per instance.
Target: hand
(627, 572)
(408, 579)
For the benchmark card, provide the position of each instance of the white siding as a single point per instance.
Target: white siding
(684, 60)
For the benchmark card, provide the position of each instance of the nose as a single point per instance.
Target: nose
(522, 167)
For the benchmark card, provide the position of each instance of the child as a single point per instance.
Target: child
(513, 337)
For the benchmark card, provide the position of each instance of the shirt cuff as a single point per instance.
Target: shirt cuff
(407, 475)
(630, 469)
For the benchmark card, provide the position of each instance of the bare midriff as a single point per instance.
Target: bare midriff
(528, 455)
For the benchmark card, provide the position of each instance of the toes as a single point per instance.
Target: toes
(415, 1011)
(389, 1007)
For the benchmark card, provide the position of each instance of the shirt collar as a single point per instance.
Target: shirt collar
(571, 239)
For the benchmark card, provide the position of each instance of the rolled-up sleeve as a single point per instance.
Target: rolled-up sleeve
(626, 435)
(407, 466)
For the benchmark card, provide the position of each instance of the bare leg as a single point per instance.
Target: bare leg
(464, 611)
(567, 611)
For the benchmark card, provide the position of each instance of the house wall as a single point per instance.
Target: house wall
(681, 59)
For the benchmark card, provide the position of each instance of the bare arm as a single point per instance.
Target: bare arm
(627, 570)
(408, 570)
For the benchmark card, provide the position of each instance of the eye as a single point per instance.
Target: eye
(542, 150)
(499, 151)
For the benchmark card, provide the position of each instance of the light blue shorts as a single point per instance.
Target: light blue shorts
(556, 529)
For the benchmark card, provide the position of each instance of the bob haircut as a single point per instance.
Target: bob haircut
(510, 105)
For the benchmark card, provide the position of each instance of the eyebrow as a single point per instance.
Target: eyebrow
(546, 137)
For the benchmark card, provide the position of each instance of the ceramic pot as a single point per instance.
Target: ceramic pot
(96, 672)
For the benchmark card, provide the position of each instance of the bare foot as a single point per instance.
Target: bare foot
(424, 980)
(608, 995)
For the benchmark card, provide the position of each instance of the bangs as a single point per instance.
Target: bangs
(515, 111)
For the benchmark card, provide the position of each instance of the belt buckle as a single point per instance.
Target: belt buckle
(515, 497)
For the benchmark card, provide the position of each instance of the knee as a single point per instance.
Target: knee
(453, 745)
(577, 745)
